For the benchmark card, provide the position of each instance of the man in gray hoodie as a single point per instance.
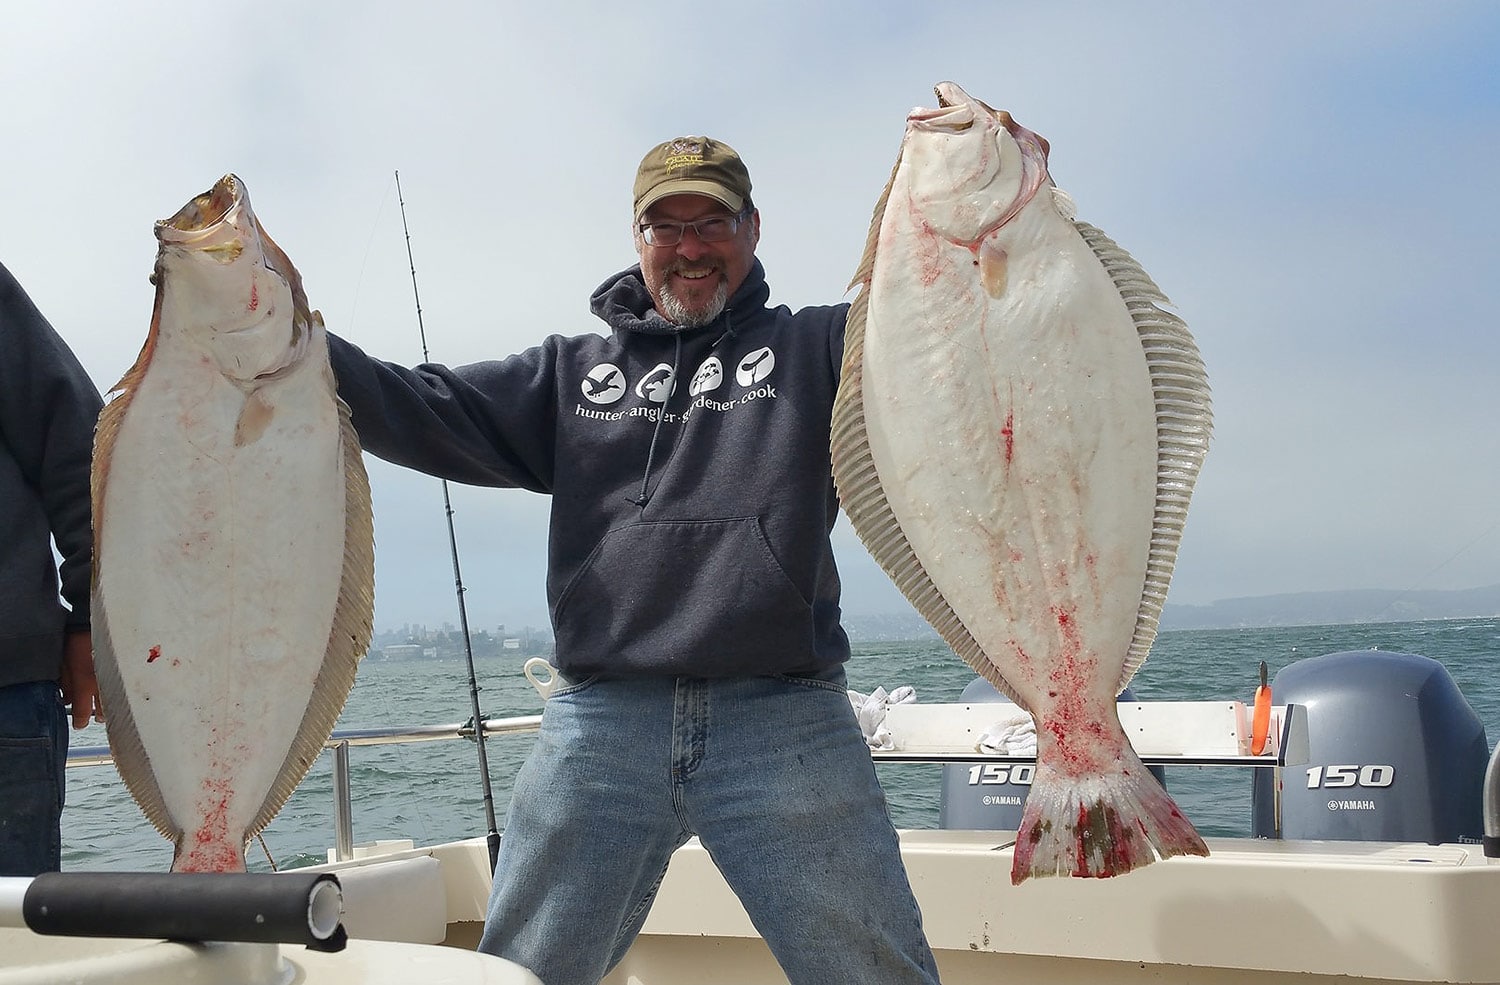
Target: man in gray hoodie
(48, 406)
(694, 597)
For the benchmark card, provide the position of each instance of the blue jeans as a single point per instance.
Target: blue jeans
(33, 756)
(770, 773)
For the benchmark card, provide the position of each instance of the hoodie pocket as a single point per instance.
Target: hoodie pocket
(704, 598)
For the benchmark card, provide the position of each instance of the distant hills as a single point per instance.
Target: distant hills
(1325, 608)
(1261, 611)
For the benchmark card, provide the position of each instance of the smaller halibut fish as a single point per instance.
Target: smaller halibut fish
(1017, 433)
(233, 541)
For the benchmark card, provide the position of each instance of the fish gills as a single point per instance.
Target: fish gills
(233, 587)
(1017, 433)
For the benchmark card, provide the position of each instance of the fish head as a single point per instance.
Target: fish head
(215, 259)
(970, 168)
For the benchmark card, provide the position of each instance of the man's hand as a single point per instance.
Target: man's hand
(80, 689)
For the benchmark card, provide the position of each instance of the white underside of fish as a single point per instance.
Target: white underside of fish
(1018, 429)
(1016, 443)
(233, 574)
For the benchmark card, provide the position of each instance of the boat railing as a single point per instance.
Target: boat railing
(1213, 733)
(340, 742)
(1219, 733)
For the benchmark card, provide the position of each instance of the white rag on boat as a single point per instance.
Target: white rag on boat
(870, 710)
(1013, 736)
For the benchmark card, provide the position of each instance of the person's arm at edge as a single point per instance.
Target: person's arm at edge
(55, 450)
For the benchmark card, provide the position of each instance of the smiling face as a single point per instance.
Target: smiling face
(691, 281)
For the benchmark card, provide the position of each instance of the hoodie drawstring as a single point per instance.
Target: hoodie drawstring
(645, 496)
(661, 416)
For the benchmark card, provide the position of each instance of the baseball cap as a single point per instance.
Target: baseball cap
(692, 166)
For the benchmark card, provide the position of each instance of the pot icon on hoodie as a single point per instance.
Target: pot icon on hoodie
(755, 367)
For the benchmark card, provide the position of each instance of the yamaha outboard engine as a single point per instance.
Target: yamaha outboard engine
(1395, 753)
(990, 796)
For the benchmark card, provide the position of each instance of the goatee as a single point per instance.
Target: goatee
(674, 310)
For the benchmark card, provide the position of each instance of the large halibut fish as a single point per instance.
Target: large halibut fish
(234, 553)
(1017, 433)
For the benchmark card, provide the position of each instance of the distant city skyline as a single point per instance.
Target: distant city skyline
(1301, 608)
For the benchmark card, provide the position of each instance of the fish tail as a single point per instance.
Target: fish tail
(1099, 825)
(201, 851)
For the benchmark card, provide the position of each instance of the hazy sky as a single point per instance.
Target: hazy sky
(1314, 184)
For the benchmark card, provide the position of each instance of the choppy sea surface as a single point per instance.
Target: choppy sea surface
(431, 792)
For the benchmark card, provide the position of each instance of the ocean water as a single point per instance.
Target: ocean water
(431, 791)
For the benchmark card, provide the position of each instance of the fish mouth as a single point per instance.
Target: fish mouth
(209, 222)
(955, 111)
(958, 111)
(208, 208)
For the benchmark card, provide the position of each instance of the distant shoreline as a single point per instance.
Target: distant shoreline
(1342, 608)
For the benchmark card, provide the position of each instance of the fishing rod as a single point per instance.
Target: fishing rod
(492, 838)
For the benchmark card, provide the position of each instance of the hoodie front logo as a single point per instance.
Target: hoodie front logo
(604, 384)
(755, 367)
(657, 385)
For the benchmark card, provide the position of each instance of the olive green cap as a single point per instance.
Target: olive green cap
(692, 166)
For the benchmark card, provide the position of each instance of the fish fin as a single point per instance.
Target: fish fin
(353, 621)
(993, 263)
(859, 487)
(255, 417)
(107, 427)
(1063, 202)
(1184, 423)
(1101, 825)
(125, 745)
(866, 267)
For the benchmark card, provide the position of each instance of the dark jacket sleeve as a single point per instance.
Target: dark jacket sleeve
(48, 409)
(489, 423)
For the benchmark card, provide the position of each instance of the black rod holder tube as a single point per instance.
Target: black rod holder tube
(279, 908)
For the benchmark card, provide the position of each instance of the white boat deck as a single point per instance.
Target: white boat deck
(1254, 911)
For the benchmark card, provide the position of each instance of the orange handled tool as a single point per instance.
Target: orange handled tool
(1260, 726)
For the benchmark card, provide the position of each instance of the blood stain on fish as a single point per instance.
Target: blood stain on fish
(155, 652)
(211, 852)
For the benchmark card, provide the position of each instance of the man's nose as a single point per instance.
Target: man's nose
(690, 247)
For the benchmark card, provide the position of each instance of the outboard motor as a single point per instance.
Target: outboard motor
(1395, 753)
(990, 796)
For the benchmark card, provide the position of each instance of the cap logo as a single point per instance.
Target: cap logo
(683, 153)
(691, 165)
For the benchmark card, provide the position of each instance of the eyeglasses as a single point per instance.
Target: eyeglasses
(714, 229)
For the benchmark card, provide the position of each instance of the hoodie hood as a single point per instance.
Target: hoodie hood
(625, 304)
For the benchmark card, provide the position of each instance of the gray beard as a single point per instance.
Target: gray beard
(678, 313)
